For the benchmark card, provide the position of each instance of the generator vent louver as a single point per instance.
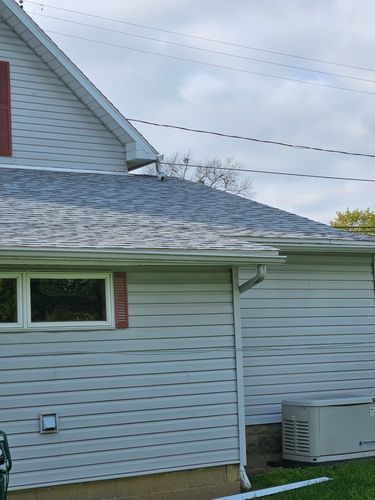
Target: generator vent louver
(296, 436)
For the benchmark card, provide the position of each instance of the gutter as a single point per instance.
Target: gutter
(313, 244)
(134, 257)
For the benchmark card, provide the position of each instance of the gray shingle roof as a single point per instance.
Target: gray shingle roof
(84, 210)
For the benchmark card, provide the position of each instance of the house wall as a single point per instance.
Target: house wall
(308, 329)
(159, 396)
(50, 126)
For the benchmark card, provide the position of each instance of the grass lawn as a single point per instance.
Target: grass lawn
(354, 479)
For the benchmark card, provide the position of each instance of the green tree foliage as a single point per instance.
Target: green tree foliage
(357, 221)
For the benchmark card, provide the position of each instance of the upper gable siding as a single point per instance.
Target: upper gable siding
(308, 330)
(51, 128)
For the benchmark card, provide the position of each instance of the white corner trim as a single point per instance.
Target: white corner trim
(239, 366)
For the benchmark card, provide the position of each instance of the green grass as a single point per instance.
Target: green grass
(351, 480)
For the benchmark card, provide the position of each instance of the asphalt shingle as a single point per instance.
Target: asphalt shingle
(85, 210)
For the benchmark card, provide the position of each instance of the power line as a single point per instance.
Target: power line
(196, 37)
(252, 139)
(212, 65)
(272, 172)
(253, 59)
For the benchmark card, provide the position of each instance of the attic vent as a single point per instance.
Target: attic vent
(296, 436)
(5, 126)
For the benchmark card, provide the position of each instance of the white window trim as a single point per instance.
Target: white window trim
(24, 302)
(18, 278)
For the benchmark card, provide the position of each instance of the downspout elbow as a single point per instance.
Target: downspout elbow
(255, 280)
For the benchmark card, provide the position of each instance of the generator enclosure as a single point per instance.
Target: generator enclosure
(328, 429)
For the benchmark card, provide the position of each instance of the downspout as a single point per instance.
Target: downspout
(237, 290)
(255, 280)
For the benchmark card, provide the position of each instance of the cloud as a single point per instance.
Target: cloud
(202, 87)
(168, 90)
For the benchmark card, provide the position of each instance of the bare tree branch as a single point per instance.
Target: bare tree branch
(210, 173)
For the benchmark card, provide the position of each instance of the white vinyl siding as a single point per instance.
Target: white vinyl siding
(158, 396)
(308, 329)
(51, 128)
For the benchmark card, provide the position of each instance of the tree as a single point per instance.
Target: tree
(357, 221)
(214, 172)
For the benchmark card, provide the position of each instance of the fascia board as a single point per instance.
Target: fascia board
(141, 257)
(315, 245)
(34, 36)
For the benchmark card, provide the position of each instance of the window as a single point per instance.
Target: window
(5, 116)
(10, 300)
(67, 299)
(63, 300)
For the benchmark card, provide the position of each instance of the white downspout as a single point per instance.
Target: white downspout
(255, 280)
(237, 290)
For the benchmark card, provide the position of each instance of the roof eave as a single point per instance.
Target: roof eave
(316, 244)
(115, 257)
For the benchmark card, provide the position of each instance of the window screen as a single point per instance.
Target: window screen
(8, 300)
(67, 299)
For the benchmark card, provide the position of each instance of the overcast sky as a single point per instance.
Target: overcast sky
(161, 89)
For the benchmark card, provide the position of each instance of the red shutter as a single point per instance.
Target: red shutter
(121, 300)
(5, 125)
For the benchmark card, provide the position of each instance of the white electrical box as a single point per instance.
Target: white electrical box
(328, 429)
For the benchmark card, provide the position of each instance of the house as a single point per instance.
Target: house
(124, 370)
(121, 372)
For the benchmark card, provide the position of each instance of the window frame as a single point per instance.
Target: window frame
(24, 301)
(18, 278)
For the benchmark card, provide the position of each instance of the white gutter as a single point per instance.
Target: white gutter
(134, 257)
(312, 244)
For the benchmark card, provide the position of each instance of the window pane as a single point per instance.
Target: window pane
(68, 300)
(8, 300)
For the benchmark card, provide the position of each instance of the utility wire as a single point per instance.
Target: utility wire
(222, 42)
(253, 139)
(271, 172)
(212, 65)
(253, 59)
